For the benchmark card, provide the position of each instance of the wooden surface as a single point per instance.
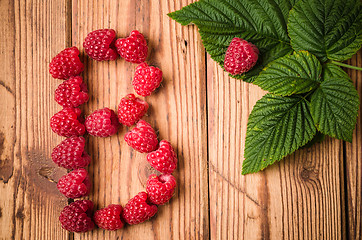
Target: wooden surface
(315, 193)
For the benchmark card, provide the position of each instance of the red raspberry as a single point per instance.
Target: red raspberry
(240, 57)
(133, 48)
(164, 158)
(99, 45)
(72, 93)
(160, 188)
(68, 123)
(131, 109)
(77, 217)
(146, 79)
(102, 123)
(138, 209)
(109, 218)
(142, 137)
(66, 64)
(70, 153)
(75, 184)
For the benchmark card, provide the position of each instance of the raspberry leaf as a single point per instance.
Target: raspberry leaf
(334, 105)
(308, 92)
(263, 23)
(328, 29)
(277, 127)
(318, 138)
(291, 74)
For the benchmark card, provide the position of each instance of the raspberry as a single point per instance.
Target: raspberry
(70, 153)
(77, 217)
(164, 158)
(133, 48)
(142, 137)
(138, 209)
(109, 218)
(102, 123)
(160, 188)
(131, 109)
(240, 57)
(146, 79)
(75, 184)
(72, 93)
(67, 122)
(99, 45)
(66, 64)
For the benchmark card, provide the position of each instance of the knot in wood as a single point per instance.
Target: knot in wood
(305, 174)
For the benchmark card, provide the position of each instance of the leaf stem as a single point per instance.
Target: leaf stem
(346, 65)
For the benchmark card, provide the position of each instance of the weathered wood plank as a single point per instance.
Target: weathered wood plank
(178, 112)
(353, 163)
(299, 198)
(32, 32)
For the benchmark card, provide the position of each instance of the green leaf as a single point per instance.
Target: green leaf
(318, 138)
(334, 105)
(291, 74)
(274, 53)
(329, 29)
(277, 127)
(263, 22)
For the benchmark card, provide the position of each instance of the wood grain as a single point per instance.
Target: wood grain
(32, 32)
(299, 198)
(177, 111)
(353, 163)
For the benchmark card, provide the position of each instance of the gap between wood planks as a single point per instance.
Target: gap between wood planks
(69, 24)
(344, 195)
(207, 144)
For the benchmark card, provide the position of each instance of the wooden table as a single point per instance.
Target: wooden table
(313, 194)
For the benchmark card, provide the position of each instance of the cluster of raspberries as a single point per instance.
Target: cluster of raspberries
(102, 45)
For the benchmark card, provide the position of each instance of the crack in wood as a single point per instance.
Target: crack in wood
(46, 172)
(7, 88)
(215, 170)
